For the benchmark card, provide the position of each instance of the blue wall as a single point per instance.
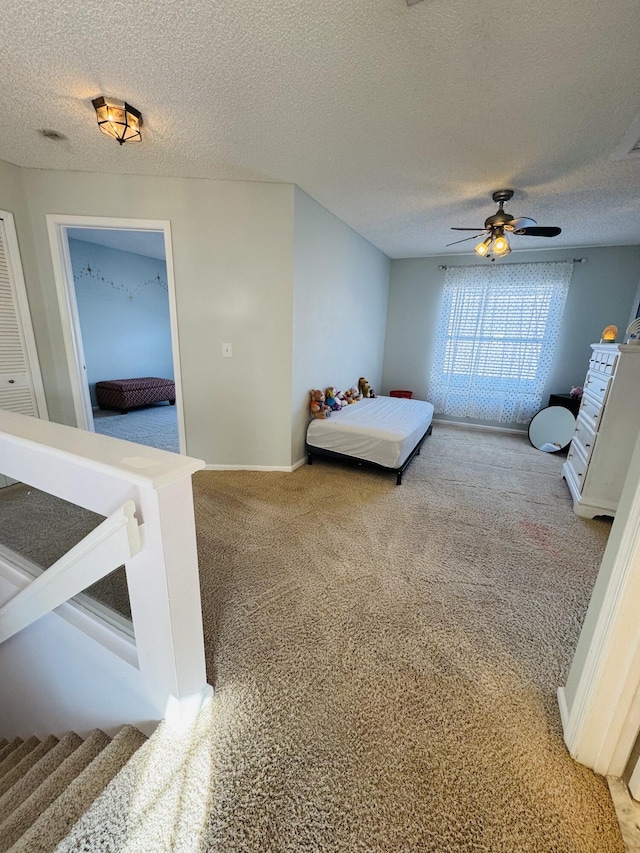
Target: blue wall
(603, 291)
(124, 318)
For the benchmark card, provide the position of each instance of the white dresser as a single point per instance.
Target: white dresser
(606, 430)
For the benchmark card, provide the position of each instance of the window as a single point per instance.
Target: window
(496, 337)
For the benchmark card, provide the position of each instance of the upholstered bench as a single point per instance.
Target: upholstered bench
(125, 394)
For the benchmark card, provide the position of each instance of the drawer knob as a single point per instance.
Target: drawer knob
(11, 381)
(587, 445)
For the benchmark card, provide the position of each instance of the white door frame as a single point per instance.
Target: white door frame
(24, 314)
(602, 723)
(57, 225)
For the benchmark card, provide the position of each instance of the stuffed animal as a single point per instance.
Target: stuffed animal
(319, 408)
(331, 399)
(355, 394)
(342, 399)
(365, 389)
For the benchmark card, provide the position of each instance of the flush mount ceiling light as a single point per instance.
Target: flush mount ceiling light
(118, 119)
(496, 245)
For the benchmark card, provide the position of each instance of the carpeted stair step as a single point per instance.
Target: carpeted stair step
(19, 821)
(38, 774)
(17, 755)
(55, 823)
(19, 770)
(14, 744)
(158, 802)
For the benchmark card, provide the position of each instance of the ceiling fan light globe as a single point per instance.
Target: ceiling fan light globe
(482, 249)
(501, 246)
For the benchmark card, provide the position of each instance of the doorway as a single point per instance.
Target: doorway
(117, 303)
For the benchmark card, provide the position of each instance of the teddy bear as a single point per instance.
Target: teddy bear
(331, 399)
(365, 389)
(319, 408)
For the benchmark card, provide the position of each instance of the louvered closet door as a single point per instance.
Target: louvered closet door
(16, 383)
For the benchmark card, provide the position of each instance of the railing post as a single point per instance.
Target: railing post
(164, 592)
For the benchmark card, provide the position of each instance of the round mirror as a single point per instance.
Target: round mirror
(552, 429)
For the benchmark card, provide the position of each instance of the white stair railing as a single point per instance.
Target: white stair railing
(166, 678)
(108, 546)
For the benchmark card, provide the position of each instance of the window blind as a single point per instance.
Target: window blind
(496, 336)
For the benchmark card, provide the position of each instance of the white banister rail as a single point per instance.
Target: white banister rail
(108, 546)
(114, 479)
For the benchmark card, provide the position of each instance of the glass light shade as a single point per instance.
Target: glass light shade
(501, 246)
(118, 119)
(483, 248)
(609, 334)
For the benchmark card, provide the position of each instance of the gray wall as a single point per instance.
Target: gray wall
(235, 246)
(341, 286)
(233, 249)
(602, 292)
(124, 313)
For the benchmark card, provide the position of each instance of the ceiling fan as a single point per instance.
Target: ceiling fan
(498, 226)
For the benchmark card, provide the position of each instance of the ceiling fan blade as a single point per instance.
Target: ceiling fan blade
(464, 240)
(464, 229)
(517, 224)
(539, 231)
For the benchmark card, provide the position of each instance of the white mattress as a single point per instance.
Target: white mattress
(383, 429)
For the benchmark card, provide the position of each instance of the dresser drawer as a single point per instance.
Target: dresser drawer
(597, 384)
(591, 410)
(604, 362)
(585, 437)
(577, 464)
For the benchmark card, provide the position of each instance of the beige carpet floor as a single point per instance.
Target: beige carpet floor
(385, 661)
(386, 658)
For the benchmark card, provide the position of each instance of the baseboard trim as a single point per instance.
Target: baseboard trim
(299, 463)
(181, 713)
(627, 812)
(480, 427)
(564, 708)
(287, 469)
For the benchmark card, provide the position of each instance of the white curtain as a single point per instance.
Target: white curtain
(496, 338)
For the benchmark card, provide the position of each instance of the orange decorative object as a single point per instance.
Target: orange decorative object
(609, 334)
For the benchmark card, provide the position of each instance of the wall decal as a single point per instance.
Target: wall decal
(120, 287)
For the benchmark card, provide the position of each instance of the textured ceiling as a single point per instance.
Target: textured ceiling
(400, 119)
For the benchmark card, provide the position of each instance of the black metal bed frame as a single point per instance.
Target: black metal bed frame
(354, 460)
